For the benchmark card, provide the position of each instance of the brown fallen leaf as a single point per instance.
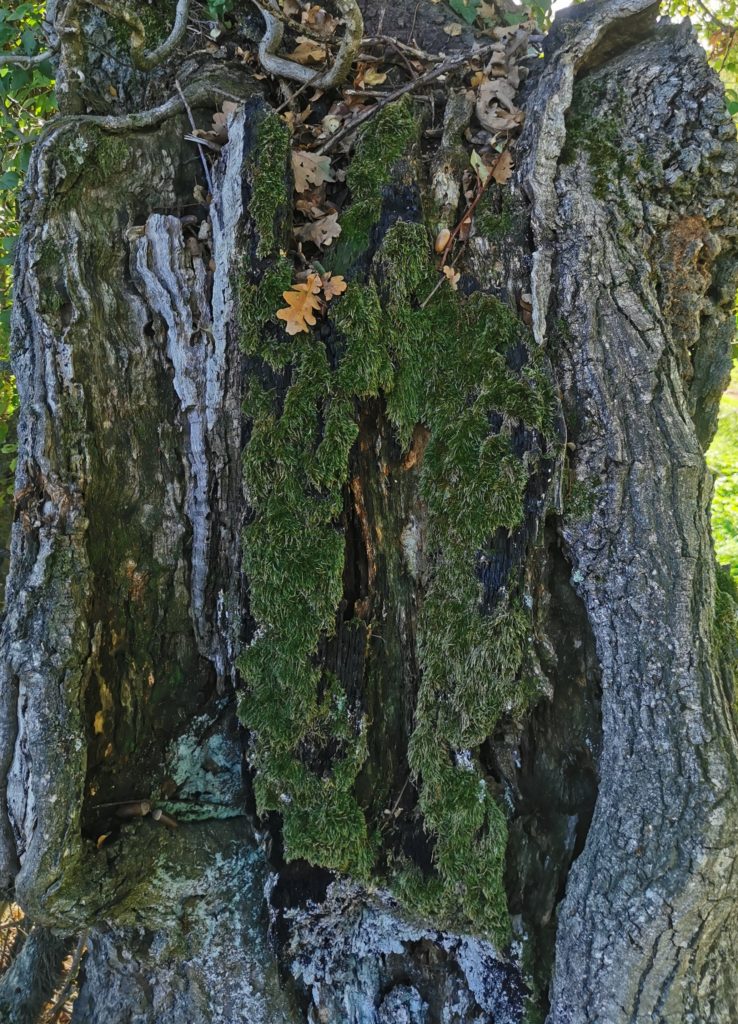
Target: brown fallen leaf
(452, 28)
(310, 169)
(320, 21)
(320, 232)
(333, 286)
(311, 207)
(302, 303)
(502, 170)
(308, 50)
(367, 75)
(491, 95)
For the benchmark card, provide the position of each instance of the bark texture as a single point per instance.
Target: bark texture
(501, 689)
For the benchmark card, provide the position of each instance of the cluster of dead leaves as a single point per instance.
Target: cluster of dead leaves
(318, 27)
(497, 84)
(312, 173)
(307, 298)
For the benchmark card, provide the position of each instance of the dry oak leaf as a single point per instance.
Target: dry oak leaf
(367, 75)
(307, 50)
(333, 286)
(503, 168)
(310, 169)
(302, 302)
(320, 232)
(319, 20)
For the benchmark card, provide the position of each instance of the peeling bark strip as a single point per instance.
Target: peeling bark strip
(453, 636)
(122, 603)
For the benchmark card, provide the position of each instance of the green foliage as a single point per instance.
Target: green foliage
(26, 100)
(723, 461)
(217, 9)
(467, 9)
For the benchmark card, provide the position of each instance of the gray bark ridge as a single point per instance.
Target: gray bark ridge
(633, 282)
(120, 629)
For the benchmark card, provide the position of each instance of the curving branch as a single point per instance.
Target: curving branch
(282, 67)
(22, 60)
(142, 58)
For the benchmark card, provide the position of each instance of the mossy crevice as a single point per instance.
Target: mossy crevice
(443, 364)
(383, 155)
(269, 186)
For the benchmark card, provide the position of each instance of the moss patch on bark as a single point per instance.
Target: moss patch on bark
(441, 363)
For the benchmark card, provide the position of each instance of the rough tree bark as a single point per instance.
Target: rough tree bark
(545, 634)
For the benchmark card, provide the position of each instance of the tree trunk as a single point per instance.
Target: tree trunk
(379, 673)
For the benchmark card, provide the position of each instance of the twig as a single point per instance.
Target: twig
(296, 93)
(713, 18)
(200, 147)
(61, 999)
(21, 60)
(728, 48)
(450, 64)
(467, 216)
(411, 51)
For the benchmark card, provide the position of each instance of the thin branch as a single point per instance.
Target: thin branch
(411, 51)
(282, 67)
(23, 61)
(713, 18)
(450, 64)
(200, 148)
(198, 94)
(63, 995)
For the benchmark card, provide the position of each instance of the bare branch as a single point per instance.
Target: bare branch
(450, 64)
(22, 60)
(281, 67)
(713, 18)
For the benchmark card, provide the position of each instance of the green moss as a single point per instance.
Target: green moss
(488, 221)
(580, 500)
(388, 137)
(598, 135)
(442, 364)
(269, 188)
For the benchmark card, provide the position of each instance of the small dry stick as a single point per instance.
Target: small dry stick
(468, 215)
(450, 64)
(296, 93)
(200, 147)
(61, 999)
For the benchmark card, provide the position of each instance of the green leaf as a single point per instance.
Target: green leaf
(467, 9)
